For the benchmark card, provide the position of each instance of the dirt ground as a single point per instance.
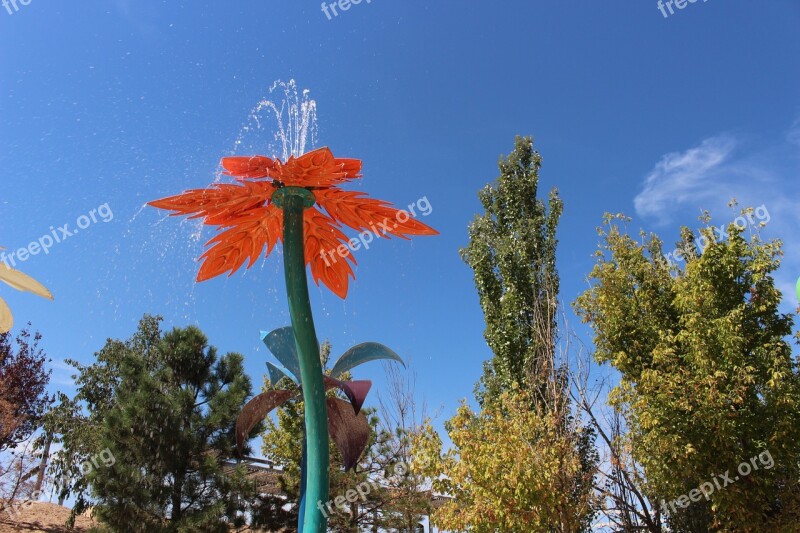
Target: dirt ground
(42, 517)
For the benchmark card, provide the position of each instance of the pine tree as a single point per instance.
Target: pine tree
(157, 440)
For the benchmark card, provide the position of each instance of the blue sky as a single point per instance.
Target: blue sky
(121, 102)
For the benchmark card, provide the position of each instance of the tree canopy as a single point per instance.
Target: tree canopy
(149, 437)
(511, 252)
(708, 380)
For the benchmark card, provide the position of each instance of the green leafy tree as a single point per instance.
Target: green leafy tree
(154, 434)
(75, 423)
(708, 380)
(512, 252)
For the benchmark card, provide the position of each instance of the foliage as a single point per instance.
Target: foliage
(708, 380)
(23, 403)
(159, 409)
(76, 423)
(23, 379)
(9, 420)
(511, 469)
(511, 251)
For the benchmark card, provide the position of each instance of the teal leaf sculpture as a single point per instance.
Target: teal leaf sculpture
(348, 428)
(363, 353)
(277, 373)
(281, 343)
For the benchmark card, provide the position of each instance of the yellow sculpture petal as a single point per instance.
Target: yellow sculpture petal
(6, 319)
(23, 282)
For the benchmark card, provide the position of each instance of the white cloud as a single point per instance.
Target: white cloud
(684, 176)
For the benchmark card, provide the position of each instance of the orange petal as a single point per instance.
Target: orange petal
(257, 166)
(318, 168)
(354, 209)
(327, 253)
(244, 239)
(219, 203)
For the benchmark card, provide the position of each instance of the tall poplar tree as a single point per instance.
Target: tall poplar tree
(512, 252)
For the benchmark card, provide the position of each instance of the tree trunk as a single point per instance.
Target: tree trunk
(43, 465)
(177, 491)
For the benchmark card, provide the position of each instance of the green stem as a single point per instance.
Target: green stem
(294, 201)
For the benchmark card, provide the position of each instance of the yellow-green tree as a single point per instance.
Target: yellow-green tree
(708, 379)
(511, 469)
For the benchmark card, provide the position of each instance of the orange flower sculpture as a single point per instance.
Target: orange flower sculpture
(250, 222)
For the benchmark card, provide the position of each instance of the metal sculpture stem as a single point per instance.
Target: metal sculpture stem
(294, 201)
(303, 470)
